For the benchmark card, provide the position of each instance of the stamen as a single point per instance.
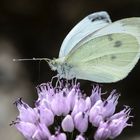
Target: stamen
(56, 76)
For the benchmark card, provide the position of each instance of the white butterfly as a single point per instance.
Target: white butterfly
(98, 50)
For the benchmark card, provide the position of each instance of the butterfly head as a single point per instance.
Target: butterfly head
(55, 63)
(63, 69)
(52, 64)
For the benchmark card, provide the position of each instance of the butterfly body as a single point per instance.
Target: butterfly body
(63, 68)
(98, 50)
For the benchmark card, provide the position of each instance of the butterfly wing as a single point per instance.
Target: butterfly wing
(88, 25)
(127, 25)
(105, 59)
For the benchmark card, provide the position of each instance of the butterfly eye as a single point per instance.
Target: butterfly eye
(53, 64)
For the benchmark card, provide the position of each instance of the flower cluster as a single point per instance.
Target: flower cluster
(65, 113)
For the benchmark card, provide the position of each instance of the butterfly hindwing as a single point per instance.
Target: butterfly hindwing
(107, 58)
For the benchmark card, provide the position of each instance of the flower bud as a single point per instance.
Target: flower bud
(81, 122)
(80, 137)
(67, 124)
(46, 116)
(41, 133)
(118, 122)
(61, 136)
(109, 105)
(26, 128)
(95, 114)
(59, 105)
(80, 106)
(102, 132)
(96, 95)
(26, 113)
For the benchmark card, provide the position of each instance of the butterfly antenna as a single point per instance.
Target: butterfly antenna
(32, 59)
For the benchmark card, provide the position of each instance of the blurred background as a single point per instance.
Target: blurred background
(36, 28)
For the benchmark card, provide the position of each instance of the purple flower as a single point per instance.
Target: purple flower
(64, 113)
(80, 137)
(26, 113)
(103, 109)
(113, 126)
(32, 131)
(60, 136)
(68, 124)
(81, 121)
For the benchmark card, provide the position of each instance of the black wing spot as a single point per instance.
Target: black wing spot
(118, 44)
(98, 18)
(113, 57)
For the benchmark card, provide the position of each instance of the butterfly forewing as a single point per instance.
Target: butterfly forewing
(88, 25)
(108, 58)
(127, 25)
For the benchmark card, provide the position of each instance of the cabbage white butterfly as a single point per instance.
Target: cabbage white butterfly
(99, 50)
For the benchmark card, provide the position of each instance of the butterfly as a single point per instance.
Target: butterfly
(99, 50)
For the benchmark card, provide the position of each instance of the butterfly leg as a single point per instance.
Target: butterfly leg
(56, 76)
